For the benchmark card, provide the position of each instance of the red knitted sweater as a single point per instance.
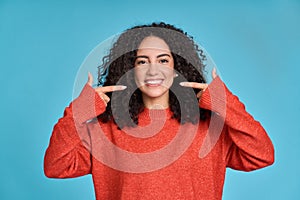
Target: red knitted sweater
(178, 162)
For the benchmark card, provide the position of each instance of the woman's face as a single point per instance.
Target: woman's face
(154, 71)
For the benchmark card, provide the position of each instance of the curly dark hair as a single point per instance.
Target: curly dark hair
(188, 63)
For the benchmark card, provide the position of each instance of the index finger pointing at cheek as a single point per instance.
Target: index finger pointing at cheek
(111, 88)
(194, 85)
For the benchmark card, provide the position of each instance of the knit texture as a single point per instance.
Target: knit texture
(160, 159)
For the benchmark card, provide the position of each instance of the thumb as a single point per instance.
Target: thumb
(214, 73)
(90, 79)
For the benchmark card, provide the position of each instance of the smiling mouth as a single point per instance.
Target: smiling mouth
(153, 82)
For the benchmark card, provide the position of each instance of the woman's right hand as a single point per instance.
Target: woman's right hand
(102, 90)
(201, 86)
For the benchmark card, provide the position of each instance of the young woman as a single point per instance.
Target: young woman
(154, 129)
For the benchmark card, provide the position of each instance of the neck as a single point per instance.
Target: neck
(156, 103)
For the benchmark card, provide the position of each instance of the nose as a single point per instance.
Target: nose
(152, 69)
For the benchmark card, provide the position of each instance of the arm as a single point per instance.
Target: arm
(67, 154)
(250, 147)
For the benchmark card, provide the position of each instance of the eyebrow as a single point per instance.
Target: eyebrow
(160, 55)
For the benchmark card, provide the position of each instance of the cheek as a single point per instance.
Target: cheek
(169, 77)
(168, 72)
(138, 76)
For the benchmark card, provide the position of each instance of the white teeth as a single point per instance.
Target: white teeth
(153, 82)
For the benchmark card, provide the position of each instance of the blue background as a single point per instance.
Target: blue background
(43, 43)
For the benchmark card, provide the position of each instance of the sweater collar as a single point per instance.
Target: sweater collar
(148, 114)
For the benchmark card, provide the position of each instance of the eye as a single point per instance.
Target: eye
(140, 62)
(164, 61)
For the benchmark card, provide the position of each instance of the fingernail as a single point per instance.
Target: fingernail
(182, 83)
(123, 87)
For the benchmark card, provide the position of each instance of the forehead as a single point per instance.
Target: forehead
(153, 43)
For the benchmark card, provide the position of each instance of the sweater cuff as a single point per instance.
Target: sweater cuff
(87, 105)
(214, 97)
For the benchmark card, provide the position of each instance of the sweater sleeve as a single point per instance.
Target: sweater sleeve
(68, 152)
(249, 146)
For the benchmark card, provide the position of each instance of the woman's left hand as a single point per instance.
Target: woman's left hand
(201, 86)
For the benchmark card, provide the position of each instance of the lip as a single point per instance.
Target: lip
(153, 82)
